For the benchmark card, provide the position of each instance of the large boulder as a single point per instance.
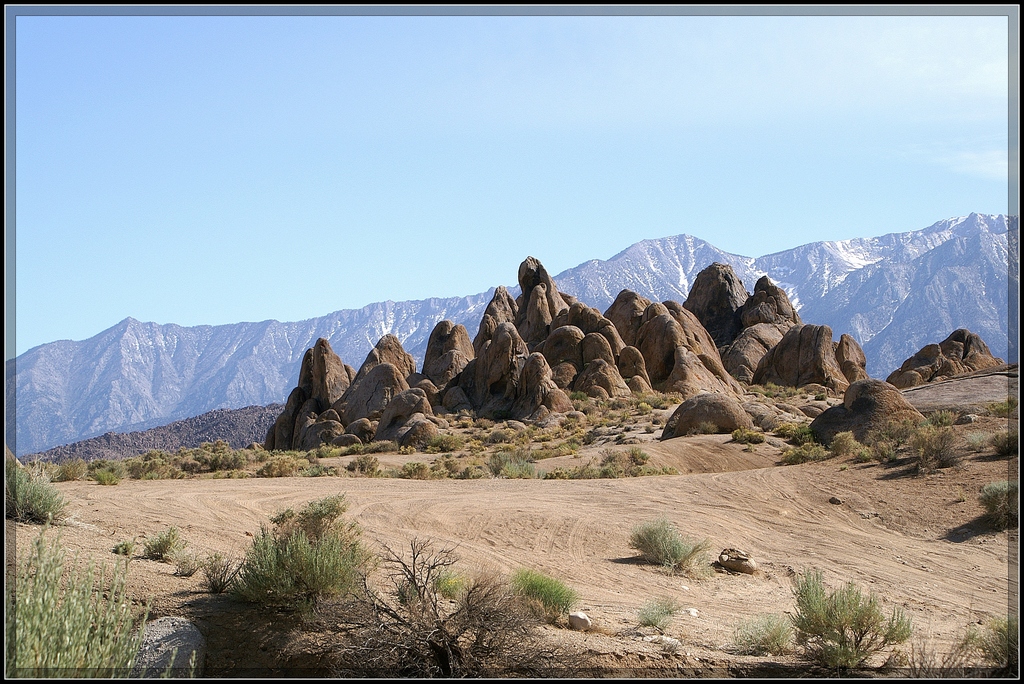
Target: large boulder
(501, 309)
(679, 354)
(495, 379)
(320, 431)
(563, 346)
(768, 304)
(599, 373)
(536, 390)
(657, 339)
(330, 377)
(388, 350)
(805, 355)
(742, 356)
(596, 346)
(531, 274)
(867, 405)
(449, 349)
(280, 434)
(369, 394)
(696, 373)
(535, 317)
(851, 358)
(625, 314)
(590, 320)
(715, 298)
(631, 364)
(722, 410)
(401, 416)
(961, 352)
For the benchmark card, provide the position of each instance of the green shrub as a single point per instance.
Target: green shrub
(999, 643)
(414, 470)
(444, 443)
(977, 441)
(1003, 409)
(449, 584)
(660, 543)
(317, 470)
(364, 464)
(746, 436)
(658, 613)
(941, 419)
(31, 498)
(804, 453)
(1005, 443)
(70, 471)
(935, 448)
(124, 548)
(501, 435)
(843, 628)
(786, 430)
(512, 464)
(280, 466)
(547, 594)
(106, 476)
(186, 564)
(63, 625)
(764, 635)
(893, 434)
(164, 546)
(310, 555)
(219, 572)
(843, 444)
(1000, 500)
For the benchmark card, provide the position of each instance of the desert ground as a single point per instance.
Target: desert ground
(918, 541)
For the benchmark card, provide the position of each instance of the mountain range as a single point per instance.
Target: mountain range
(893, 294)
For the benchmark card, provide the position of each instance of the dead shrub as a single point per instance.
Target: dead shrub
(409, 629)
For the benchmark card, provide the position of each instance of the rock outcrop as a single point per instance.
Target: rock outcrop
(742, 356)
(961, 352)
(323, 380)
(867, 405)
(407, 419)
(764, 318)
(601, 380)
(388, 350)
(625, 314)
(539, 302)
(537, 395)
(369, 394)
(501, 309)
(449, 350)
(768, 304)
(805, 355)
(679, 354)
(716, 298)
(724, 411)
(851, 359)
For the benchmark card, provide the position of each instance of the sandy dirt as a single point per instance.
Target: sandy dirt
(915, 540)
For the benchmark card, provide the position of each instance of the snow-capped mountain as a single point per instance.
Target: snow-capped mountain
(892, 293)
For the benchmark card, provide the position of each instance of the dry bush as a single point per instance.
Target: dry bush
(660, 543)
(1005, 443)
(764, 635)
(409, 629)
(747, 436)
(935, 448)
(843, 444)
(1001, 502)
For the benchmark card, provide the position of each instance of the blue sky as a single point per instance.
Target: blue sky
(210, 170)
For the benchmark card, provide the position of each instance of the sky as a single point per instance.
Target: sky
(205, 170)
